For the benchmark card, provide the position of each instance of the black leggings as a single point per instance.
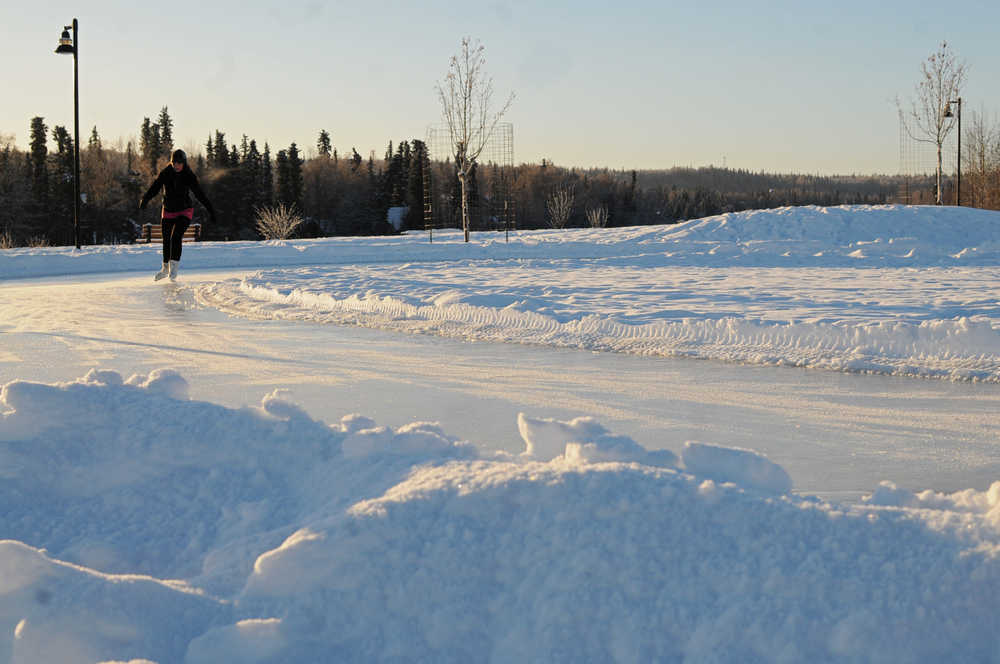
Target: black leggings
(173, 231)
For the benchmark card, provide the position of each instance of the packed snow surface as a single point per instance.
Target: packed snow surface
(139, 524)
(907, 291)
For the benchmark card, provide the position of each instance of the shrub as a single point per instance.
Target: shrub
(277, 222)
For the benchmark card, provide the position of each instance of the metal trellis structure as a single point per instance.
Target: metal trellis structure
(918, 166)
(491, 195)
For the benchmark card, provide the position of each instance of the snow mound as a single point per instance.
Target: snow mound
(58, 612)
(295, 540)
(746, 468)
(583, 440)
(985, 503)
(544, 562)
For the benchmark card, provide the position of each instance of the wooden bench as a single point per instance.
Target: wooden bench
(151, 233)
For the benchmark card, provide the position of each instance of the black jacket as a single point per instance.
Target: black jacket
(177, 185)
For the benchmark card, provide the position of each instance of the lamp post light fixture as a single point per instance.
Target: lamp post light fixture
(949, 114)
(71, 45)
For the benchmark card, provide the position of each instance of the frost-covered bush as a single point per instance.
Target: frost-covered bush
(277, 222)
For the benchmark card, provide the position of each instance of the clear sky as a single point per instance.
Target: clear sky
(778, 86)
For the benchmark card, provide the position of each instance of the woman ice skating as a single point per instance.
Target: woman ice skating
(177, 179)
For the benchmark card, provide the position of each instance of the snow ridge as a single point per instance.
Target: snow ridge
(961, 348)
(296, 540)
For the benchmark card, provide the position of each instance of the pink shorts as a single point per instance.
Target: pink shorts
(189, 213)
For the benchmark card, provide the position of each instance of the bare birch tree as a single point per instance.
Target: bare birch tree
(942, 76)
(466, 104)
(981, 160)
(560, 206)
(598, 217)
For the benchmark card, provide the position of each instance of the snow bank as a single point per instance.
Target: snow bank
(53, 611)
(843, 236)
(899, 290)
(300, 541)
(746, 468)
(894, 290)
(583, 440)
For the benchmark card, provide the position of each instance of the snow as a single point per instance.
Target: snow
(145, 523)
(893, 290)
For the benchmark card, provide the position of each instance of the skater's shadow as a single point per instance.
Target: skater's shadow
(181, 349)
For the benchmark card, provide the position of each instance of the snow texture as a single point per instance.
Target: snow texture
(907, 291)
(295, 540)
(140, 525)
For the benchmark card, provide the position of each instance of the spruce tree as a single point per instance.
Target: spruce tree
(39, 161)
(95, 140)
(267, 177)
(150, 144)
(295, 176)
(282, 178)
(220, 151)
(415, 186)
(166, 126)
(323, 144)
(62, 189)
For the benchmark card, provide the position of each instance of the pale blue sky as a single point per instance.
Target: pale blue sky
(776, 86)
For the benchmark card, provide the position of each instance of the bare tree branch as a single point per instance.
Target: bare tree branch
(466, 97)
(598, 217)
(560, 206)
(942, 77)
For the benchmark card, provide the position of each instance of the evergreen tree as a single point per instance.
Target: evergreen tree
(414, 198)
(267, 177)
(39, 161)
(64, 142)
(219, 151)
(376, 203)
(15, 189)
(392, 184)
(253, 168)
(166, 126)
(150, 144)
(95, 140)
(323, 144)
(283, 178)
(62, 189)
(294, 176)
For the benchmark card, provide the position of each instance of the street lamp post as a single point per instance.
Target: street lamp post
(949, 114)
(69, 44)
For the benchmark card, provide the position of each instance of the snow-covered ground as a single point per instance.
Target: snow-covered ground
(149, 517)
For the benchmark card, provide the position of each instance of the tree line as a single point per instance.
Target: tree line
(348, 194)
